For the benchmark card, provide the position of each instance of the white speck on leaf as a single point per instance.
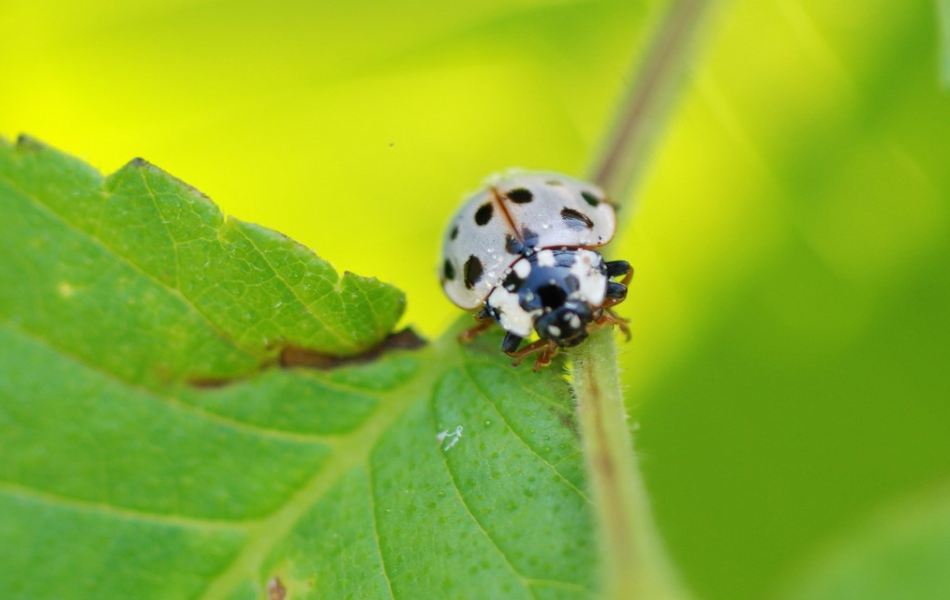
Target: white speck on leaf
(453, 438)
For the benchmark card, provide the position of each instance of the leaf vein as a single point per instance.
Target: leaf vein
(169, 401)
(31, 494)
(168, 231)
(375, 518)
(481, 391)
(175, 292)
(461, 498)
(343, 340)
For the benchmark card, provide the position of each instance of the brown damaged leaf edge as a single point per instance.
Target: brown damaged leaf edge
(407, 339)
(294, 357)
(27, 142)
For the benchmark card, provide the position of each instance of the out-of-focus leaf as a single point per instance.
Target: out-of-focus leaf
(902, 554)
(352, 127)
(789, 311)
(943, 22)
(148, 452)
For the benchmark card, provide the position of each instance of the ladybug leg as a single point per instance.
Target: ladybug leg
(544, 359)
(609, 317)
(616, 268)
(535, 346)
(510, 344)
(484, 321)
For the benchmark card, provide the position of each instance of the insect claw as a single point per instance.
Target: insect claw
(609, 317)
(544, 359)
(475, 330)
(625, 331)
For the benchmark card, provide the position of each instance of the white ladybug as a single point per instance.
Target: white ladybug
(521, 250)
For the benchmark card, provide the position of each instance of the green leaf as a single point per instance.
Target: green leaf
(902, 553)
(943, 22)
(789, 369)
(440, 472)
(202, 294)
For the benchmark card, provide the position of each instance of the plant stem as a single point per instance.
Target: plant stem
(633, 561)
(648, 100)
(632, 556)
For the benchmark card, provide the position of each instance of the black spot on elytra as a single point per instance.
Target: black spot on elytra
(520, 196)
(575, 218)
(484, 213)
(512, 281)
(448, 270)
(590, 198)
(454, 233)
(473, 271)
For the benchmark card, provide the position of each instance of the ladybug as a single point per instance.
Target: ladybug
(521, 250)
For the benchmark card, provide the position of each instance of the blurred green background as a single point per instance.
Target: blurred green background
(789, 369)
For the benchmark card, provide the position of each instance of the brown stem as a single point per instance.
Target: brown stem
(649, 99)
(632, 558)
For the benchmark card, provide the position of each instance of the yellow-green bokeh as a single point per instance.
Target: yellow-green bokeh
(353, 127)
(790, 238)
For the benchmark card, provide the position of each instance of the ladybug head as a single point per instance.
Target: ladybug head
(565, 325)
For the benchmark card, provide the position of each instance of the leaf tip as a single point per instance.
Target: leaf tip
(27, 142)
(139, 163)
(349, 278)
